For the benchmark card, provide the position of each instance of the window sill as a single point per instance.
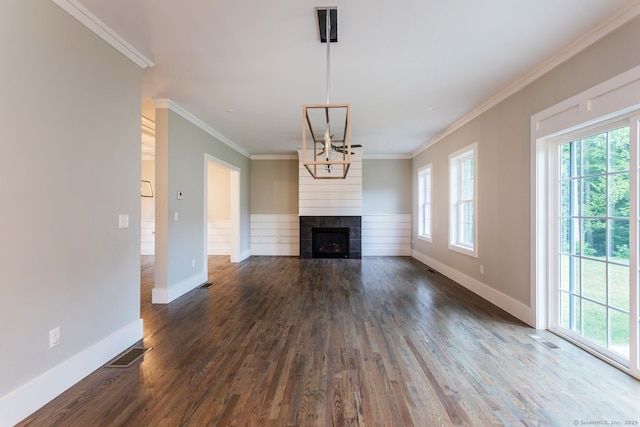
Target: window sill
(472, 252)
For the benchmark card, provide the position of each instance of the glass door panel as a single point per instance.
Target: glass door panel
(593, 292)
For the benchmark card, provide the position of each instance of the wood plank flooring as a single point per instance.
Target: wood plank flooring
(281, 341)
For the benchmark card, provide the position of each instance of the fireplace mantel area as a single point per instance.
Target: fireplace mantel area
(352, 223)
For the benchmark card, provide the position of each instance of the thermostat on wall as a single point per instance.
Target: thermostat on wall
(179, 195)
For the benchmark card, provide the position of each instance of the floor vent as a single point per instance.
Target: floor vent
(207, 285)
(544, 342)
(125, 359)
(550, 345)
(431, 270)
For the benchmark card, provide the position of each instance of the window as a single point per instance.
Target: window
(424, 202)
(585, 232)
(462, 197)
(591, 292)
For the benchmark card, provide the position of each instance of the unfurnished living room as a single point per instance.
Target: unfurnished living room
(330, 213)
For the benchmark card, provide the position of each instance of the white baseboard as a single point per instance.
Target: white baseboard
(505, 302)
(244, 255)
(275, 250)
(368, 251)
(165, 296)
(22, 402)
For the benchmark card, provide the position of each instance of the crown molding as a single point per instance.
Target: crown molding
(623, 16)
(274, 157)
(169, 104)
(386, 156)
(92, 22)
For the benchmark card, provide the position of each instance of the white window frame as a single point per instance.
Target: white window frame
(456, 201)
(613, 98)
(425, 190)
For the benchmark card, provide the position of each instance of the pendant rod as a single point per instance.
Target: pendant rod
(328, 37)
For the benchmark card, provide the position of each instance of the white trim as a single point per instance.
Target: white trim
(634, 306)
(386, 156)
(20, 403)
(497, 298)
(599, 103)
(422, 235)
(622, 17)
(612, 99)
(92, 22)
(169, 104)
(454, 229)
(244, 255)
(274, 157)
(175, 291)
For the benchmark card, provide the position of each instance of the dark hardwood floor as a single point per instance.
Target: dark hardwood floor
(281, 341)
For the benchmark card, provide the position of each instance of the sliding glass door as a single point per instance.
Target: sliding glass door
(595, 267)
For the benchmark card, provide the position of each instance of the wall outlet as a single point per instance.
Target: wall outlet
(176, 216)
(193, 263)
(482, 269)
(54, 337)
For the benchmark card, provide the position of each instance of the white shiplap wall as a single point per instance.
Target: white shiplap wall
(218, 237)
(335, 197)
(386, 235)
(148, 237)
(275, 234)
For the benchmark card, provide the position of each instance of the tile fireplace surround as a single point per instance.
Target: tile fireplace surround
(353, 223)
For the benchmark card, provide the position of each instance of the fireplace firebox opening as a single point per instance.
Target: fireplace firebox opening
(330, 242)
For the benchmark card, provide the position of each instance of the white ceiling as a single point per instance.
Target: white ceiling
(409, 68)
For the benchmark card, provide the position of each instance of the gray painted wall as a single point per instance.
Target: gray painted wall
(274, 186)
(180, 166)
(386, 186)
(504, 166)
(70, 164)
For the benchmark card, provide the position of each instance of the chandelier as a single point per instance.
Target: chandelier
(326, 128)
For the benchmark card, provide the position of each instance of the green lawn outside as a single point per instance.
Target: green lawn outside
(590, 318)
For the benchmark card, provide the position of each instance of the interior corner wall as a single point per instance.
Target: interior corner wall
(386, 186)
(503, 165)
(274, 186)
(386, 207)
(180, 223)
(70, 167)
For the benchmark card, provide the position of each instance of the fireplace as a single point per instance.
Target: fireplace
(330, 242)
(341, 236)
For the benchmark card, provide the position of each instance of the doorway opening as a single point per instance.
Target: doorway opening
(222, 209)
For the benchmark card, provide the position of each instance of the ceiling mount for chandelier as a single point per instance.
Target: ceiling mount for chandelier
(329, 125)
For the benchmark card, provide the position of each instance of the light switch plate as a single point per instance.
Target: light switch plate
(123, 221)
(54, 337)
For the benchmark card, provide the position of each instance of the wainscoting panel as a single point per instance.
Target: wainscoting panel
(275, 234)
(148, 237)
(218, 237)
(386, 235)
